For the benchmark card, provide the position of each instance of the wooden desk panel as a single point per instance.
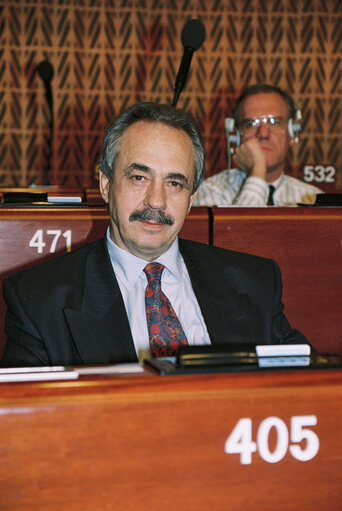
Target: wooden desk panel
(19, 227)
(197, 226)
(150, 443)
(307, 244)
(62, 229)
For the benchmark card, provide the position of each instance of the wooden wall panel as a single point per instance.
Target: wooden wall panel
(108, 54)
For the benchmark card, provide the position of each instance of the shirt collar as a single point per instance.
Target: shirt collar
(278, 181)
(128, 267)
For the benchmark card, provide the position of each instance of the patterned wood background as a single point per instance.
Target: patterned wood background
(107, 54)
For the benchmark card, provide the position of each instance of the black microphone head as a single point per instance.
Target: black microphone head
(45, 70)
(193, 34)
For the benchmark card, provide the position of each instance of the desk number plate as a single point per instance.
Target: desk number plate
(240, 440)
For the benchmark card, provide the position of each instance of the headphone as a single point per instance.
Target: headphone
(233, 134)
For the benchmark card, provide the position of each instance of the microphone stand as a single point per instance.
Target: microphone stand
(182, 74)
(46, 72)
(49, 135)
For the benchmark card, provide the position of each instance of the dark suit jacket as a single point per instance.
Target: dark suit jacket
(70, 310)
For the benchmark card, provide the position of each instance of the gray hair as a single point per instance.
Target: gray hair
(152, 112)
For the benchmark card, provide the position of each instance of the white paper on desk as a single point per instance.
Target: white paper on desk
(111, 369)
(21, 374)
(283, 350)
(284, 361)
(70, 199)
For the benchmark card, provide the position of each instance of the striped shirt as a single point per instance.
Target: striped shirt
(234, 187)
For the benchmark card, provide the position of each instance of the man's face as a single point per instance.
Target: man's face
(151, 190)
(274, 145)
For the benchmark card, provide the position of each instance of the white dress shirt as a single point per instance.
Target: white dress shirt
(176, 285)
(234, 187)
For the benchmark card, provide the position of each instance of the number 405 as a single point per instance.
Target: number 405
(240, 439)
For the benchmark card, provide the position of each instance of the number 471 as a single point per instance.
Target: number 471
(37, 240)
(240, 440)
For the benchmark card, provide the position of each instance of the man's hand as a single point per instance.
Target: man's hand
(250, 158)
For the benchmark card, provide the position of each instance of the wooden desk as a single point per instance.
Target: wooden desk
(307, 244)
(158, 443)
(30, 235)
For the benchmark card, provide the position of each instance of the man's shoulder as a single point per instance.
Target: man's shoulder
(210, 254)
(226, 176)
(65, 264)
(220, 189)
(302, 185)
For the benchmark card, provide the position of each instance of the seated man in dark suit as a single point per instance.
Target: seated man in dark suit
(141, 290)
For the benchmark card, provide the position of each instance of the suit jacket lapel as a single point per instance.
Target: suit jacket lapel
(229, 316)
(100, 326)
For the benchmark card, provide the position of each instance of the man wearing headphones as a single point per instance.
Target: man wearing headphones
(265, 117)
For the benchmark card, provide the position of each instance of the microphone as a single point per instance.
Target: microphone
(193, 35)
(46, 72)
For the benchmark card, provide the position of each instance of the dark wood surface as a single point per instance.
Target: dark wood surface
(307, 245)
(157, 443)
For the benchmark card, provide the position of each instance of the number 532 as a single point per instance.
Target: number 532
(319, 174)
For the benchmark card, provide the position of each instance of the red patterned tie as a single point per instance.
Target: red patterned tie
(165, 331)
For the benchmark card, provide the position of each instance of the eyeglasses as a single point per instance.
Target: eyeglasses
(275, 124)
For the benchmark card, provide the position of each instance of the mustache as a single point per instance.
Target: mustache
(151, 214)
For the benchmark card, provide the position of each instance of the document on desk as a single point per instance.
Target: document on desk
(283, 355)
(22, 374)
(283, 350)
(112, 369)
(59, 199)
